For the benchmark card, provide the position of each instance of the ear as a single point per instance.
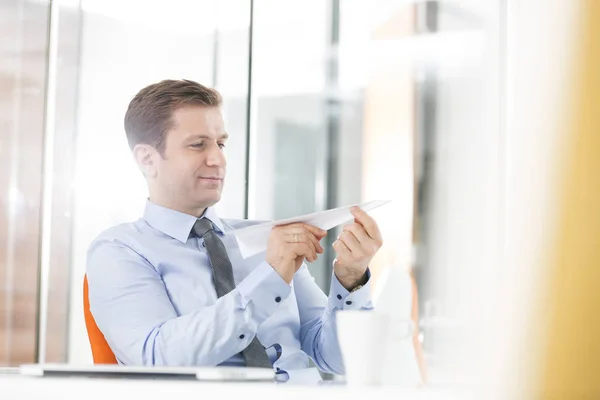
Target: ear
(145, 157)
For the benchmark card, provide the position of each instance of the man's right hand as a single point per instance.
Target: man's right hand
(290, 244)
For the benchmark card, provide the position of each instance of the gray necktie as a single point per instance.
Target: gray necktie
(255, 354)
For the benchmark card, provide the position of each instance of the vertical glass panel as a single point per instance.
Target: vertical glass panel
(230, 60)
(59, 176)
(22, 83)
(289, 116)
(124, 47)
(375, 89)
(357, 100)
(460, 169)
(424, 80)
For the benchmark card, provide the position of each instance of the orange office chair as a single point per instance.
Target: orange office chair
(101, 351)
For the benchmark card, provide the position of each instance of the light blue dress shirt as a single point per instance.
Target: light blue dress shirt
(152, 295)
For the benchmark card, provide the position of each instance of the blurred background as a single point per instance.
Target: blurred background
(327, 102)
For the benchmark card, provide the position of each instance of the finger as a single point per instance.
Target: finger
(368, 222)
(303, 234)
(342, 250)
(352, 244)
(300, 248)
(306, 237)
(301, 227)
(359, 232)
(309, 240)
(318, 232)
(368, 245)
(317, 243)
(305, 250)
(294, 228)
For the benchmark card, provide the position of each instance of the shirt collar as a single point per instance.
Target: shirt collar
(176, 224)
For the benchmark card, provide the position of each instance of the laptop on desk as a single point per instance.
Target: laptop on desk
(216, 374)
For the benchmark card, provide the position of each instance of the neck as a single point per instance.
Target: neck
(182, 208)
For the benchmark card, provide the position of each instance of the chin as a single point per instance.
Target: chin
(210, 201)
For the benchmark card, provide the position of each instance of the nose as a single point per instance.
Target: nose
(215, 157)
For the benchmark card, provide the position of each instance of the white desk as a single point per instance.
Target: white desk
(15, 386)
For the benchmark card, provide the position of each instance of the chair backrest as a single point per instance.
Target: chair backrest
(101, 351)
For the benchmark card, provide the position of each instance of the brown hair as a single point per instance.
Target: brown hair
(149, 115)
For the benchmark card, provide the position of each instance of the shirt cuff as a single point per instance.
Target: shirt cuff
(265, 290)
(342, 299)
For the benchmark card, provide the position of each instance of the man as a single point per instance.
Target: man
(172, 288)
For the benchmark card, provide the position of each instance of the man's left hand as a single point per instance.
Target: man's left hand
(355, 248)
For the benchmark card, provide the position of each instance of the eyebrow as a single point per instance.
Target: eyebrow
(224, 136)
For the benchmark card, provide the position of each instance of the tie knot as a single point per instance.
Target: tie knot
(202, 227)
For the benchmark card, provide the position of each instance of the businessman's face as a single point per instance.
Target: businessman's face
(191, 174)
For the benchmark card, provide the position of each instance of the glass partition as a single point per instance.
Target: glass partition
(327, 104)
(22, 89)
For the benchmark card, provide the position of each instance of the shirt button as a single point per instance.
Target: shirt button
(242, 336)
(349, 302)
(339, 296)
(277, 299)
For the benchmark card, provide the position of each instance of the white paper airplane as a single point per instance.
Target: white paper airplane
(253, 239)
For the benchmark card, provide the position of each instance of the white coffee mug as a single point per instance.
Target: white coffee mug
(364, 337)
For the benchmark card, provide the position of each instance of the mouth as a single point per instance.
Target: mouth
(211, 178)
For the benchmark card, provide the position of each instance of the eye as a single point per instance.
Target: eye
(197, 145)
(221, 146)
